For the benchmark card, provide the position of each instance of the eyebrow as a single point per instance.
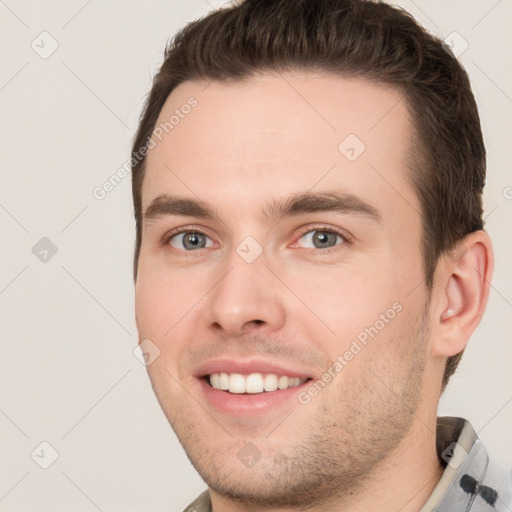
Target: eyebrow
(297, 204)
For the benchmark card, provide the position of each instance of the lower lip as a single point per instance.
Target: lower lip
(249, 404)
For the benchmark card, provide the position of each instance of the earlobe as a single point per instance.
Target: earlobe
(463, 292)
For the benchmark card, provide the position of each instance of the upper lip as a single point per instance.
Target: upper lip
(247, 367)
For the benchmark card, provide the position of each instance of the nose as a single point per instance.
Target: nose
(247, 295)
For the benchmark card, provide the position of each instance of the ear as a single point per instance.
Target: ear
(460, 294)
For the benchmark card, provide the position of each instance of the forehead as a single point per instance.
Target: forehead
(239, 142)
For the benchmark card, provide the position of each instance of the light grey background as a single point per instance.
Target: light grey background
(68, 375)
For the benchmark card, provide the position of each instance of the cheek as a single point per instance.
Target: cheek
(161, 299)
(158, 321)
(151, 306)
(340, 302)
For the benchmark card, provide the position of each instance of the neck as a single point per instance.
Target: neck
(402, 481)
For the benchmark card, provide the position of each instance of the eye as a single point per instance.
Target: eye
(189, 240)
(322, 238)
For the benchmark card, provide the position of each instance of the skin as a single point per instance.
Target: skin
(371, 431)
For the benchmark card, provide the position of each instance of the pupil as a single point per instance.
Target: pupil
(322, 237)
(194, 240)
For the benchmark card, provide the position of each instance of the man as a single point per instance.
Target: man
(310, 259)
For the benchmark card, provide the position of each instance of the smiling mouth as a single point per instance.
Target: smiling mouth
(237, 383)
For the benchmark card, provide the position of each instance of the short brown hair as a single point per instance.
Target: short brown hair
(350, 38)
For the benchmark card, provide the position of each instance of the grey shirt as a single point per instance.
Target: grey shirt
(470, 481)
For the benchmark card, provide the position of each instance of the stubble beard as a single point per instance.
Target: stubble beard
(350, 435)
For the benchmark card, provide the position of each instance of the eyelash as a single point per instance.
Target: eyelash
(326, 229)
(347, 240)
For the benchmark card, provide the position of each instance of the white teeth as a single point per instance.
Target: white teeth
(215, 380)
(283, 382)
(252, 383)
(270, 382)
(224, 381)
(236, 383)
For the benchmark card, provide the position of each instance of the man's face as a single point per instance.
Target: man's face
(251, 292)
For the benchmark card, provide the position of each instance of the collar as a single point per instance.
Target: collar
(465, 460)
